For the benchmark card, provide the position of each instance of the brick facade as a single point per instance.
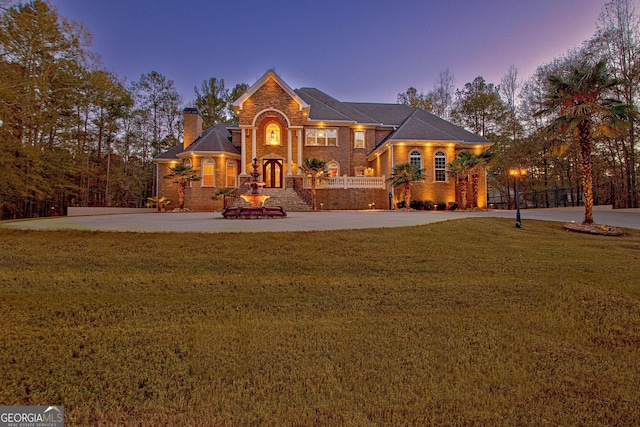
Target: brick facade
(192, 126)
(271, 105)
(197, 196)
(270, 96)
(354, 198)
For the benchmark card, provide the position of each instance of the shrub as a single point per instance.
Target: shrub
(440, 206)
(452, 206)
(416, 204)
(419, 205)
(401, 205)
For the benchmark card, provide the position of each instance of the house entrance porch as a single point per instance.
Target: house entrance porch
(272, 173)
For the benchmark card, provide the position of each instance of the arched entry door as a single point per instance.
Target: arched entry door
(272, 173)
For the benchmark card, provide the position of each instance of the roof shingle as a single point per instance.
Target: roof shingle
(424, 126)
(217, 138)
(408, 124)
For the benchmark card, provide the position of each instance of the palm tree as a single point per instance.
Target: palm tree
(469, 164)
(459, 169)
(159, 202)
(579, 100)
(223, 193)
(317, 170)
(481, 162)
(406, 175)
(182, 175)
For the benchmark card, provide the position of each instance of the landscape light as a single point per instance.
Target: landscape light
(517, 173)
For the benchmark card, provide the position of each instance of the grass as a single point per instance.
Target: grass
(468, 322)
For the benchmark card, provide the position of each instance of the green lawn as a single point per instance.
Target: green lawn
(467, 322)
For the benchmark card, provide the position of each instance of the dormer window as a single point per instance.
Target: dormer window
(272, 136)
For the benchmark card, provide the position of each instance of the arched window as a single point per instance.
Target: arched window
(231, 173)
(208, 169)
(333, 168)
(415, 158)
(440, 166)
(272, 134)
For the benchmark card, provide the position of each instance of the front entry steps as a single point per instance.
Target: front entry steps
(285, 197)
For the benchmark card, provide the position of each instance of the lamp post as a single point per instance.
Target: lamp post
(517, 173)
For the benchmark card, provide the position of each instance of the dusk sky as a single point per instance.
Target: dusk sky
(353, 50)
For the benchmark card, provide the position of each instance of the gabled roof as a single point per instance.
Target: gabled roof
(216, 138)
(324, 107)
(270, 74)
(424, 126)
(171, 153)
(213, 139)
(410, 124)
(405, 123)
(384, 114)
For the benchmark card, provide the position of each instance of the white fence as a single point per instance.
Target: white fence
(348, 182)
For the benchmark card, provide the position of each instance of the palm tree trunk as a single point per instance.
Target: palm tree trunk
(475, 189)
(182, 188)
(463, 193)
(407, 196)
(587, 170)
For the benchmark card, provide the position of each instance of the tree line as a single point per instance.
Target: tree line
(508, 114)
(73, 132)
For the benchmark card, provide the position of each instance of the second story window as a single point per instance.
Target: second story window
(358, 139)
(272, 134)
(321, 137)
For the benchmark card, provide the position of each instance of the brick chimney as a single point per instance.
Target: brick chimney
(192, 126)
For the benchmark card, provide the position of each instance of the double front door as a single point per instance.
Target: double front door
(272, 173)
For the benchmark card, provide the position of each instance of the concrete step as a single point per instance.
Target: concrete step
(287, 198)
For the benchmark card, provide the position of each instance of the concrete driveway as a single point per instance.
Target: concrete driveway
(212, 222)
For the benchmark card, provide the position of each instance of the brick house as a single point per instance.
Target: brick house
(361, 143)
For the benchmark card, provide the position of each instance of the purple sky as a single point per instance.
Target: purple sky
(364, 50)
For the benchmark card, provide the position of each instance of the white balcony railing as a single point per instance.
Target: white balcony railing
(348, 182)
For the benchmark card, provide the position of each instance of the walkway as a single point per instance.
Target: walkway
(212, 222)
